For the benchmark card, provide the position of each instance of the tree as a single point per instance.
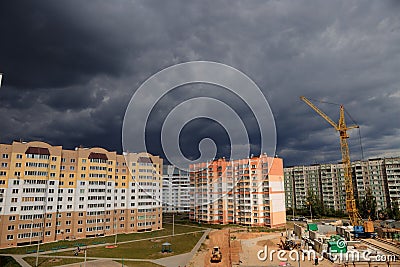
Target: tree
(394, 212)
(317, 207)
(367, 205)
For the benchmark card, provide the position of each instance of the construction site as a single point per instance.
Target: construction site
(355, 241)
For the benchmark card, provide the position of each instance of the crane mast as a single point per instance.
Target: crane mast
(342, 128)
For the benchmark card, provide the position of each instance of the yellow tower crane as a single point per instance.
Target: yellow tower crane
(342, 128)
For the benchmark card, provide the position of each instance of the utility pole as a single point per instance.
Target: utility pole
(173, 223)
(84, 264)
(292, 210)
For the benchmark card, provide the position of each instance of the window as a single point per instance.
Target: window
(5, 156)
(18, 165)
(53, 158)
(72, 160)
(11, 218)
(83, 160)
(10, 237)
(16, 182)
(19, 156)
(10, 227)
(4, 164)
(15, 191)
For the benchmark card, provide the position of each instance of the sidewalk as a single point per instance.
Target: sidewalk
(182, 259)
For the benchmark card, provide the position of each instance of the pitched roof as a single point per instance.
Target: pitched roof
(37, 150)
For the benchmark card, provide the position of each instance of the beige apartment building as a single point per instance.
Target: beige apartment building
(48, 193)
(246, 191)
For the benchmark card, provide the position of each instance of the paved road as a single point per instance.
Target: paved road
(95, 263)
(19, 259)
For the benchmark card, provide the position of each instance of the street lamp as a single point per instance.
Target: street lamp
(1, 76)
(309, 203)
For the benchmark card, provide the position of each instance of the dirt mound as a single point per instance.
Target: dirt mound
(268, 242)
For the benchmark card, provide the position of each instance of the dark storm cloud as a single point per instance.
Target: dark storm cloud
(71, 67)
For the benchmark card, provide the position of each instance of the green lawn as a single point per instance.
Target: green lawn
(48, 262)
(139, 264)
(148, 249)
(7, 261)
(108, 239)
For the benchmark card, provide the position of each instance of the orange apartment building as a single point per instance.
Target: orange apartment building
(48, 193)
(246, 191)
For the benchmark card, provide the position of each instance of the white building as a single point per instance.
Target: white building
(176, 190)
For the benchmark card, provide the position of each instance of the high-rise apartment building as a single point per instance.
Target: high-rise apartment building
(48, 193)
(246, 191)
(381, 176)
(392, 171)
(176, 189)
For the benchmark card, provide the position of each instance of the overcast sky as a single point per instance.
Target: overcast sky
(70, 68)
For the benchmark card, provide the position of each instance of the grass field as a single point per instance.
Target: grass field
(7, 261)
(48, 262)
(147, 249)
(108, 239)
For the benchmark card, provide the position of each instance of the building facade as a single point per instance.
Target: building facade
(380, 175)
(176, 189)
(246, 191)
(48, 193)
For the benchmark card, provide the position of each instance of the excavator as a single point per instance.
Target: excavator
(362, 229)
